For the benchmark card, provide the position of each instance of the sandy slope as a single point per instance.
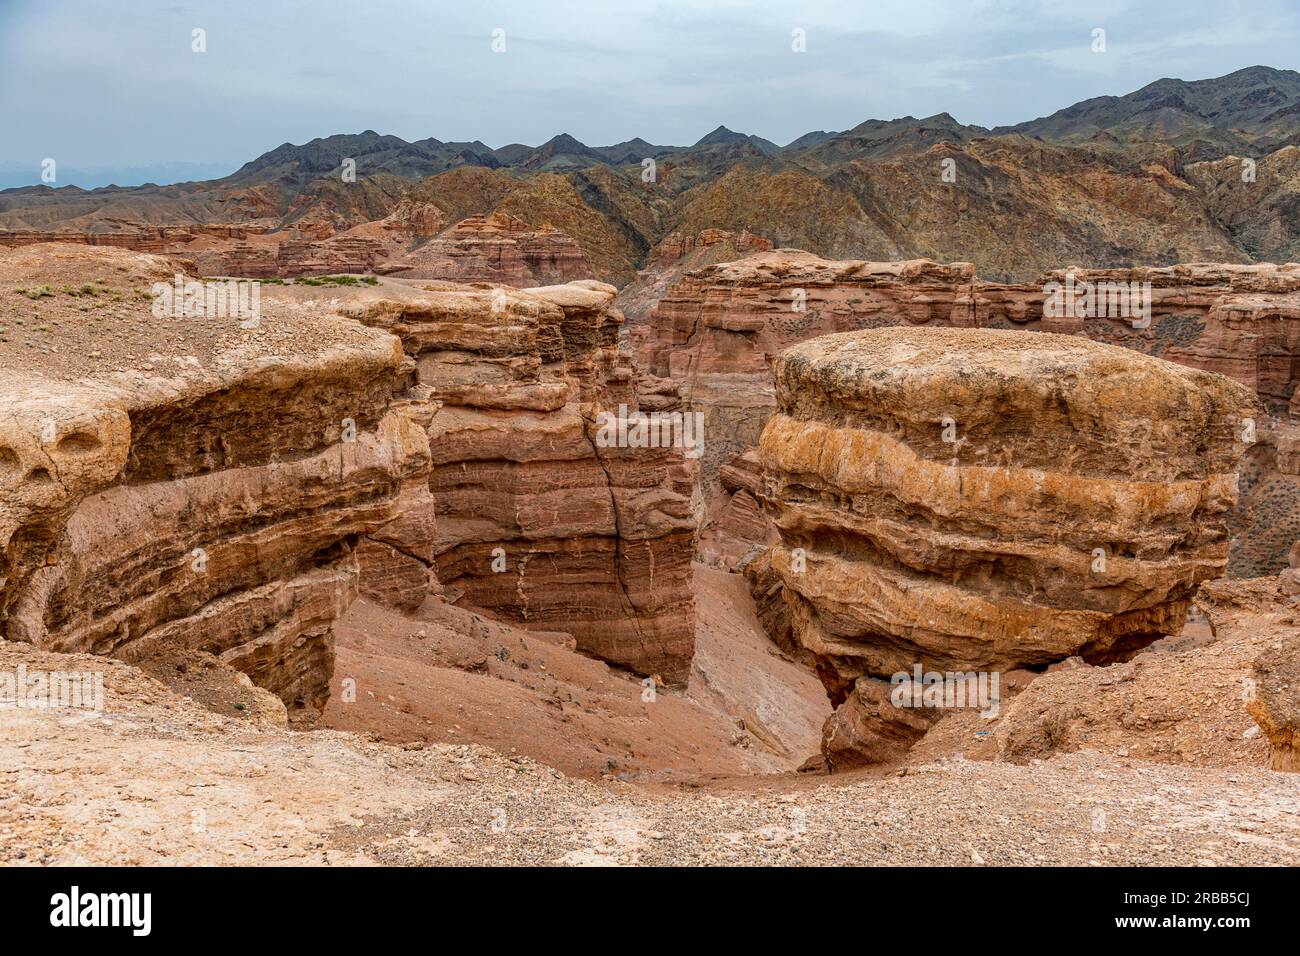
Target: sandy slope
(447, 675)
(157, 779)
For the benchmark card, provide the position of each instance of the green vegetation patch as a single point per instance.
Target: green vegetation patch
(337, 280)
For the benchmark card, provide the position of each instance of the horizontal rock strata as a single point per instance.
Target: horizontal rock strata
(182, 482)
(497, 248)
(181, 485)
(411, 242)
(979, 500)
(718, 329)
(534, 519)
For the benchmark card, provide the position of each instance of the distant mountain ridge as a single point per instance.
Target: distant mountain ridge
(1258, 107)
(1253, 107)
(1151, 177)
(18, 175)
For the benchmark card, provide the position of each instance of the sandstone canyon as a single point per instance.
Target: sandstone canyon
(718, 330)
(638, 504)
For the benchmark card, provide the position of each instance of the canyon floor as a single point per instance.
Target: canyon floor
(447, 675)
(200, 770)
(160, 780)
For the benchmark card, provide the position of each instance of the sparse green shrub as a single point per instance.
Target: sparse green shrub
(338, 280)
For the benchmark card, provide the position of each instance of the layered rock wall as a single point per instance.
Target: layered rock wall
(981, 501)
(496, 248)
(411, 242)
(225, 485)
(189, 484)
(534, 518)
(718, 330)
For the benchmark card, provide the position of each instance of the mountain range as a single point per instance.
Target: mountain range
(1152, 176)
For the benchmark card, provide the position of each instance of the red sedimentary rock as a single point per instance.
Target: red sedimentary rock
(718, 329)
(534, 518)
(976, 500)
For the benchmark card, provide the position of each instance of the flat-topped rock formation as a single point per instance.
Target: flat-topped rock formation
(1240, 320)
(411, 242)
(140, 238)
(496, 248)
(187, 483)
(734, 318)
(224, 485)
(719, 328)
(535, 519)
(986, 500)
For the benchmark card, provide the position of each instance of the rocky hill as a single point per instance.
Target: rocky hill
(1154, 177)
(1251, 110)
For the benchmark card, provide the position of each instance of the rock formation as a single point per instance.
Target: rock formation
(140, 238)
(675, 256)
(737, 529)
(1017, 201)
(224, 485)
(534, 519)
(718, 330)
(497, 248)
(983, 500)
(186, 483)
(407, 242)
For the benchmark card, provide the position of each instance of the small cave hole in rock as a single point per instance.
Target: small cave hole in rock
(78, 443)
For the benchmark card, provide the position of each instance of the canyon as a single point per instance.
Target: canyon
(995, 502)
(523, 512)
(188, 484)
(890, 454)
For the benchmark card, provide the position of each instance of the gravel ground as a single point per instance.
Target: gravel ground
(156, 779)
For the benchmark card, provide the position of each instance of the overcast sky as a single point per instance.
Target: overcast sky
(98, 83)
